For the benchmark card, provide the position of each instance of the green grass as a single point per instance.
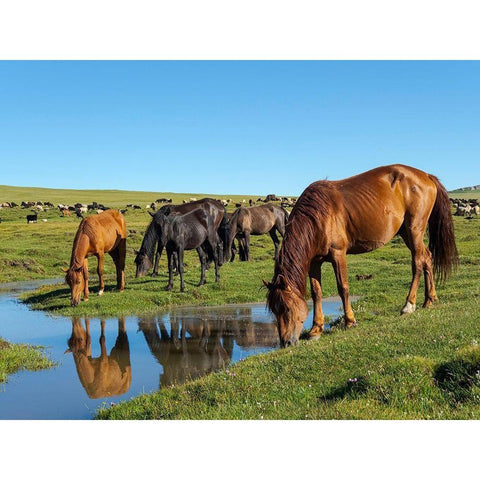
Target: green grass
(15, 357)
(424, 365)
(420, 366)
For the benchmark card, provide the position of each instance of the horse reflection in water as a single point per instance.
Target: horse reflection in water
(196, 346)
(107, 375)
(185, 358)
(250, 334)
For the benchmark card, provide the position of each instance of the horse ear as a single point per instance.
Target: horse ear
(282, 283)
(267, 284)
(64, 269)
(136, 251)
(150, 213)
(67, 351)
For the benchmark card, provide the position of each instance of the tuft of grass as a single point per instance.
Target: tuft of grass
(15, 357)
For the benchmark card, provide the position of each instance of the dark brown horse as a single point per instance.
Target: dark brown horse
(97, 235)
(359, 214)
(259, 220)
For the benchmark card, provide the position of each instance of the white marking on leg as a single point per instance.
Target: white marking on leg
(100, 292)
(408, 308)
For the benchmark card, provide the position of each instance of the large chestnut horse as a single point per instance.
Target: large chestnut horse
(97, 235)
(357, 215)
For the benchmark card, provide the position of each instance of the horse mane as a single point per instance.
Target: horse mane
(304, 224)
(150, 239)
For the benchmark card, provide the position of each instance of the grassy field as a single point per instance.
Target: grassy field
(425, 365)
(15, 357)
(420, 366)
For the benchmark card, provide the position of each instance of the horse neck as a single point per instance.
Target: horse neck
(150, 240)
(81, 245)
(296, 254)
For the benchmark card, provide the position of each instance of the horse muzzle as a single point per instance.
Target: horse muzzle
(291, 342)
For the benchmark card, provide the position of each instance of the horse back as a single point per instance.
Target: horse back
(213, 207)
(105, 230)
(374, 205)
(191, 229)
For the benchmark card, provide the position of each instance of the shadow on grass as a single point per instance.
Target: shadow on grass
(460, 378)
(43, 297)
(354, 388)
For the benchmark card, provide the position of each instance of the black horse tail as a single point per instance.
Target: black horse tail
(441, 234)
(232, 231)
(286, 215)
(223, 231)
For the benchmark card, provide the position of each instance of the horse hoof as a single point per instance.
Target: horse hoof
(168, 288)
(154, 274)
(315, 336)
(100, 292)
(351, 324)
(408, 308)
(85, 299)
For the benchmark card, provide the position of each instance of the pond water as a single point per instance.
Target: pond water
(104, 361)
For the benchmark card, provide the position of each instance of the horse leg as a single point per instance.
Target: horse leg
(203, 260)
(233, 251)
(103, 347)
(100, 273)
(247, 245)
(216, 262)
(413, 234)
(180, 268)
(158, 254)
(170, 258)
(430, 293)
(315, 275)
(85, 278)
(276, 241)
(339, 262)
(118, 257)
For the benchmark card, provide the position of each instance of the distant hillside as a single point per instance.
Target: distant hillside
(466, 189)
(111, 198)
(466, 192)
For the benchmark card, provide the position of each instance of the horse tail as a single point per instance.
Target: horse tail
(441, 234)
(223, 230)
(286, 215)
(232, 231)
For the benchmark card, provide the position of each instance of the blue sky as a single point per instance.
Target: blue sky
(234, 127)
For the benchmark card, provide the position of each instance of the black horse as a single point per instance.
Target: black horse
(144, 256)
(193, 230)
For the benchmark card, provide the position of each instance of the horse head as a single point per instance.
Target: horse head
(290, 310)
(143, 262)
(75, 278)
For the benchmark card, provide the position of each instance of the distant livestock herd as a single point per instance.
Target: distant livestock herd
(465, 208)
(79, 209)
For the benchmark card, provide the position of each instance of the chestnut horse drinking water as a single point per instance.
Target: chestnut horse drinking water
(97, 235)
(359, 214)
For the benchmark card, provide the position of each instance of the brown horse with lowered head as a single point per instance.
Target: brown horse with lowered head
(259, 220)
(97, 235)
(359, 214)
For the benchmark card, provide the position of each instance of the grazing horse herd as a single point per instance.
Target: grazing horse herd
(330, 220)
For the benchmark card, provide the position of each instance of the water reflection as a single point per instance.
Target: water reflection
(125, 357)
(106, 375)
(191, 346)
